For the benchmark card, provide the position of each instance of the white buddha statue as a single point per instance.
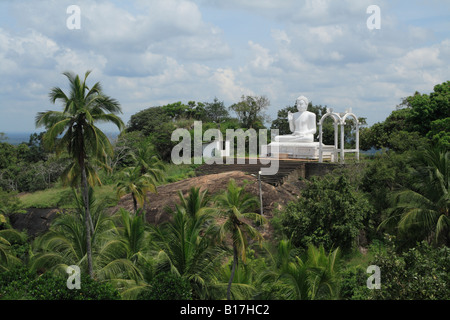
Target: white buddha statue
(301, 123)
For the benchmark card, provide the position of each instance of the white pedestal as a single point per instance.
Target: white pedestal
(298, 150)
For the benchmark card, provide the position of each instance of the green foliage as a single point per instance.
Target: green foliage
(10, 203)
(353, 285)
(161, 138)
(14, 283)
(185, 244)
(387, 172)
(421, 273)
(439, 133)
(167, 286)
(21, 283)
(36, 150)
(394, 133)
(251, 111)
(308, 275)
(235, 204)
(427, 108)
(329, 213)
(124, 250)
(133, 182)
(10, 242)
(147, 120)
(7, 155)
(150, 120)
(420, 115)
(64, 244)
(216, 111)
(421, 210)
(28, 167)
(179, 172)
(248, 281)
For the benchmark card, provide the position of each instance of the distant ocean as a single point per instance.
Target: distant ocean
(16, 138)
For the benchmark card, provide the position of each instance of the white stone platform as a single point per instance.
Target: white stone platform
(298, 150)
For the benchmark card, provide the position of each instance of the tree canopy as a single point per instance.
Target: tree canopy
(418, 116)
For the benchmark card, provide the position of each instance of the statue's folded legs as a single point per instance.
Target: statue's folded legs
(295, 138)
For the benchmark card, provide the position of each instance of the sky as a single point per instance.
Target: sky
(151, 53)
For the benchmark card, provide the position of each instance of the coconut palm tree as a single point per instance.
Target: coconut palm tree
(125, 257)
(236, 206)
(148, 162)
(85, 143)
(196, 205)
(423, 209)
(137, 184)
(64, 244)
(310, 276)
(7, 238)
(185, 243)
(131, 237)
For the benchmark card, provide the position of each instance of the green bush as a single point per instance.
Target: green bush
(14, 283)
(421, 273)
(354, 284)
(329, 213)
(20, 283)
(167, 286)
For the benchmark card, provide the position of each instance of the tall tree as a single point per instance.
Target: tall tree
(417, 117)
(236, 206)
(65, 243)
(313, 275)
(136, 184)
(147, 120)
(251, 111)
(85, 143)
(422, 210)
(216, 111)
(185, 243)
(147, 162)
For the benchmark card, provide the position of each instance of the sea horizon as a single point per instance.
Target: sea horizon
(16, 138)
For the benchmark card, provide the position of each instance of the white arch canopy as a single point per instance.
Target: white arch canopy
(338, 119)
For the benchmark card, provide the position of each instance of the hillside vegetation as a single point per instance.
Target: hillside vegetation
(140, 227)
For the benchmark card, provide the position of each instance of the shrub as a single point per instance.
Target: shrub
(329, 213)
(167, 286)
(421, 273)
(20, 283)
(14, 283)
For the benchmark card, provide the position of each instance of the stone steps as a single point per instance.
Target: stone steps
(287, 168)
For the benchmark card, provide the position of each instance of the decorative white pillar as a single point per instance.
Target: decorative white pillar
(320, 142)
(357, 140)
(342, 141)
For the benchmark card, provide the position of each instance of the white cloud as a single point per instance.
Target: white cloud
(154, 52)
(327, 34)
(229, 88)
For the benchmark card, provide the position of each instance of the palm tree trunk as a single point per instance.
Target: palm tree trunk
(134, 203)
(87, 218)
(233, 270)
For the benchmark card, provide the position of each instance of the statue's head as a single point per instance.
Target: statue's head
(302, 103)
